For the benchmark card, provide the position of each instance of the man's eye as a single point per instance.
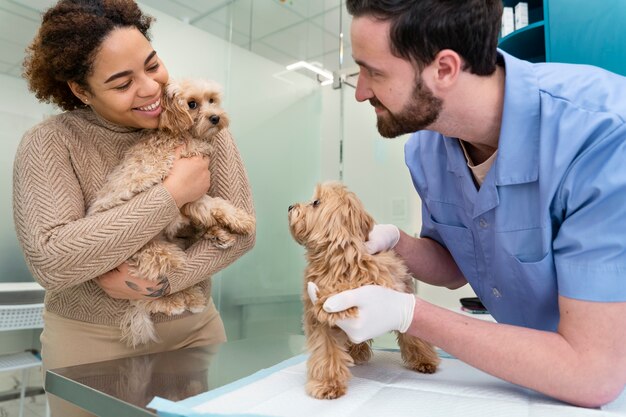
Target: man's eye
(316, 203)
(192, 105)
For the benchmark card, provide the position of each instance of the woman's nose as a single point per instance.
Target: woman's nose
(149, 87)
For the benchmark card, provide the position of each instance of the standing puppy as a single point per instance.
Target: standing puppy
(333, 227)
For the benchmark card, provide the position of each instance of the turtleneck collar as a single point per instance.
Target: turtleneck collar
(96, 119)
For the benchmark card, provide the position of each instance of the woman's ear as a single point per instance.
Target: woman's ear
(79, 91)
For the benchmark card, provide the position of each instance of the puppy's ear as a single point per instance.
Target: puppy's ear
(175, 117)
(357, 220)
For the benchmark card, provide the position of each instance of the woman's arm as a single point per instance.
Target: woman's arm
(61, 246)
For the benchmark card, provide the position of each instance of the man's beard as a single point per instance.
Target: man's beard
(420, 112)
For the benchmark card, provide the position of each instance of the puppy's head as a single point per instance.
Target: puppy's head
(193, 105)
(334, 217)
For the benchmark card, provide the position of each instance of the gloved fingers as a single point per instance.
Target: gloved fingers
(312, 290)
(353, 328)
(341, 301)
(382, 237)
(371, 247)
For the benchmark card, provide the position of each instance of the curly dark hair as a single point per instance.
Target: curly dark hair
(421, 28)
(70, 36)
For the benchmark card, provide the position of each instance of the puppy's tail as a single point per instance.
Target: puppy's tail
(137, 327)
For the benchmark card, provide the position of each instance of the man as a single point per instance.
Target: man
(521, 169)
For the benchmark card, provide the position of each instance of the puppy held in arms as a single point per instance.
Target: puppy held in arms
(333, 228)
(192, 116)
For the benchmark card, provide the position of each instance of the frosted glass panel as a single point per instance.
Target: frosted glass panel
(276, 121)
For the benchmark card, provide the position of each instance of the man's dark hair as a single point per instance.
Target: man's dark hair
(421, 28)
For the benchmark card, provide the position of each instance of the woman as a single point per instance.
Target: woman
(94, 60)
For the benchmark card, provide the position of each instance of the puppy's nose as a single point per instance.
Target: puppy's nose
(215, 119)
(290, 207)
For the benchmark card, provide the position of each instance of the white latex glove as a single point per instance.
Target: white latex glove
(381, 310)
(382, 237)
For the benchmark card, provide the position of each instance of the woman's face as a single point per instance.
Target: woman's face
(127, 80)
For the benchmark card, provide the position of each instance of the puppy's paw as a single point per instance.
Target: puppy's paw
(238, 222)
(220, 237)
(425, 367)
(325, 390)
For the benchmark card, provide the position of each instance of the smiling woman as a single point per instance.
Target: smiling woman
(125, 84)
(95, 61)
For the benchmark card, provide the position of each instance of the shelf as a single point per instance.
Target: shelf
(527, 43)
(531, 3)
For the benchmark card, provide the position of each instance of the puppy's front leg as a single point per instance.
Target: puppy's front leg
(327, 366)
(212, 211)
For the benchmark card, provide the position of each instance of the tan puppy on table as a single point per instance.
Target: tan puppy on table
(333, 227)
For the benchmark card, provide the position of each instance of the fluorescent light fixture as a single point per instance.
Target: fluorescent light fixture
(320, 71)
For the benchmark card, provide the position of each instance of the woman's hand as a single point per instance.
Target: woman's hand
(189, 178)
(118, 283)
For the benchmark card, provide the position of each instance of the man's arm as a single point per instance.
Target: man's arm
(429, 262)
(583, 363)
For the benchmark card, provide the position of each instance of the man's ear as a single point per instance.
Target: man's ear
(446, 68)
(79, 91)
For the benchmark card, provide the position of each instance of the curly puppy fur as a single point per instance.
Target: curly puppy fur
(333, 228)
(192, 116)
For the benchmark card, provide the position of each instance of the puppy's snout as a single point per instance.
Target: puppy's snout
(215, 119)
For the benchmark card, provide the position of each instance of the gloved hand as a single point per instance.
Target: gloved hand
(381, 310)
(382, 237)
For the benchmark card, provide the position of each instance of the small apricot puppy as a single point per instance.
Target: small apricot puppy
(192, 116)
(333, 228)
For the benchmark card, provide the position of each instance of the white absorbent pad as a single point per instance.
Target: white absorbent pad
(382, 387)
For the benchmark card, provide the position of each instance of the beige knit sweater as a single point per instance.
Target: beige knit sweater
(59, 166)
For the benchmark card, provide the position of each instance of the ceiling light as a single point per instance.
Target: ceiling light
(319, 71)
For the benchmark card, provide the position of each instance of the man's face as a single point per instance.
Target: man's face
(403, 104)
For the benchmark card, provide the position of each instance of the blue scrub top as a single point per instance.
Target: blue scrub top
(550, 217)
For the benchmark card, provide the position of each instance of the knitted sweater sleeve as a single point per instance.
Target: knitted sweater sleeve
(61, 246)
(230, 182)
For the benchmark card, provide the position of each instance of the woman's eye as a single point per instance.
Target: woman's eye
(153, 68)
(316, 203)
(123, 86)
(192, 105)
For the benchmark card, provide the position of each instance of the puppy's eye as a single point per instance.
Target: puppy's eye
(316, 203)
(211, 101)
(192, 104)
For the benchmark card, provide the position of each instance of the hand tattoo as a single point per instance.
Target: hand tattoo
(162, 289)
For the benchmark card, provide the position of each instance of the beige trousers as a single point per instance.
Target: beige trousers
(66, 342)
